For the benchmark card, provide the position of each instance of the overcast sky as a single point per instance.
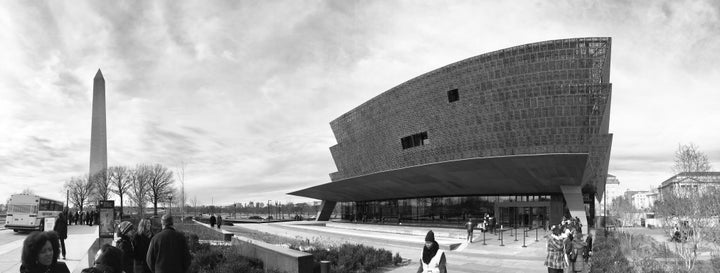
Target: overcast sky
(243, 91)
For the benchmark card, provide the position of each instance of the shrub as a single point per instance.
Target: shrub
(350, 258)
(224, 259)
(397, 260)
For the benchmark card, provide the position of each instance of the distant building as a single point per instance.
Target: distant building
(688, 182)
(612, 191)
(644, 200)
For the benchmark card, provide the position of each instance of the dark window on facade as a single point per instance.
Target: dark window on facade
(414, 140)
(453, 95)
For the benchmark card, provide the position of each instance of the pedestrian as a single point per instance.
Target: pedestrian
(125, 231)
(432, 258)
(61, 229)
(555, 260)
(40, 254)
(577, 262)
(491, 222)
(469, 226)
(219, 221)
(212, 220)
(168, 251)
(141, 242)
(108, 260)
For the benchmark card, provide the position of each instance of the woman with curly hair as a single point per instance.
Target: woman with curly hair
(40, 254)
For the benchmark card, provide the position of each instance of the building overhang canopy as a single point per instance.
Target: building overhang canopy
(520, 174)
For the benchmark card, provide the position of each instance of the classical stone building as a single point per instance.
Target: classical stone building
(521, 133)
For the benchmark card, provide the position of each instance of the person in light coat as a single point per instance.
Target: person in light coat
(432, 258)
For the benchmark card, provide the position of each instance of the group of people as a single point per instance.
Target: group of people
(82, 218)
(567, 247)
(486, 225)
(216, 220)
(136, 251)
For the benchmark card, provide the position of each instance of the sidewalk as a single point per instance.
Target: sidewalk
(79, 239)
(462, 256)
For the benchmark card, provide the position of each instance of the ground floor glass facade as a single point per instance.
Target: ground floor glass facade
(508, 210)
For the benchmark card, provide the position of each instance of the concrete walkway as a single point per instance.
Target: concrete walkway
(79, 240)
(407, 241)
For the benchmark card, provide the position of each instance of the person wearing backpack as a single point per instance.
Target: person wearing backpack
(577, 261)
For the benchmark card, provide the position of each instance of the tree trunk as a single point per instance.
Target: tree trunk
(155, 207)
(121, 207)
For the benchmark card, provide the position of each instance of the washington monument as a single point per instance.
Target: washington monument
(98, 135)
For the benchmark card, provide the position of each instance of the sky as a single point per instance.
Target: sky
(241, 93)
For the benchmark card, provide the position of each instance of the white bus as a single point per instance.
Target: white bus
(28, 212)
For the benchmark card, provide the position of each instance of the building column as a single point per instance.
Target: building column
(574, 200)
(326, 209)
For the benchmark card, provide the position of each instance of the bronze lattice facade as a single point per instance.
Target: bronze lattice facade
(547, 97)
(535, 103)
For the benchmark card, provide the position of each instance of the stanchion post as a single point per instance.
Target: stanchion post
(501, 238)
(484, 239)
(536, 234)
(516, 233)
(524, 235)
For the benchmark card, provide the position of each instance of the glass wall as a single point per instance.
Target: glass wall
(509, 210)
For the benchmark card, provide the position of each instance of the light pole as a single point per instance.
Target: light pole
(268, 209)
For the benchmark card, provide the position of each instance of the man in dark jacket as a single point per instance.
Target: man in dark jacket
(168, 251)
(61, 229)
(212, 220)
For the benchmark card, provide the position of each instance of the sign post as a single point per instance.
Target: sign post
(106, 208)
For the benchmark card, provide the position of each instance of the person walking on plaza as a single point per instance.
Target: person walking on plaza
(40, 254)
(125, 231)
(469, 226)
(219, 221)
(141, 242)
(168, 251)
(212, 220)
(61, 229)
(555, 259)
(432, 258)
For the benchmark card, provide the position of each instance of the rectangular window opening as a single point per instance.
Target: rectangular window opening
(453, 95)
(414, 140)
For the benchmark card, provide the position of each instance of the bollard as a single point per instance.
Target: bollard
(525, 235)
(516, 233)
(501, 238)
(536, 234)
(324, 266)
(484, 239)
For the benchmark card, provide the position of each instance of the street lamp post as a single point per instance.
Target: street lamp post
(170, 205)
(268, 209)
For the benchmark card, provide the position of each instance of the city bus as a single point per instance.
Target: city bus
(28, 212)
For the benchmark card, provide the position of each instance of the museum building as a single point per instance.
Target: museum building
(520, 133)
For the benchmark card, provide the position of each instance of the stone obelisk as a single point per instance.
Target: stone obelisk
(98, 135)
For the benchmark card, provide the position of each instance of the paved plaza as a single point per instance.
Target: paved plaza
(407, 241)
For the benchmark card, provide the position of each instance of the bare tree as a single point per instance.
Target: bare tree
(160, 181)
(28, 191)
(80, 190)
(119, 178)
(139, 187)
(691, 211)
(102, 186)
(689, 158)
(181, 177)
(194, 201)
